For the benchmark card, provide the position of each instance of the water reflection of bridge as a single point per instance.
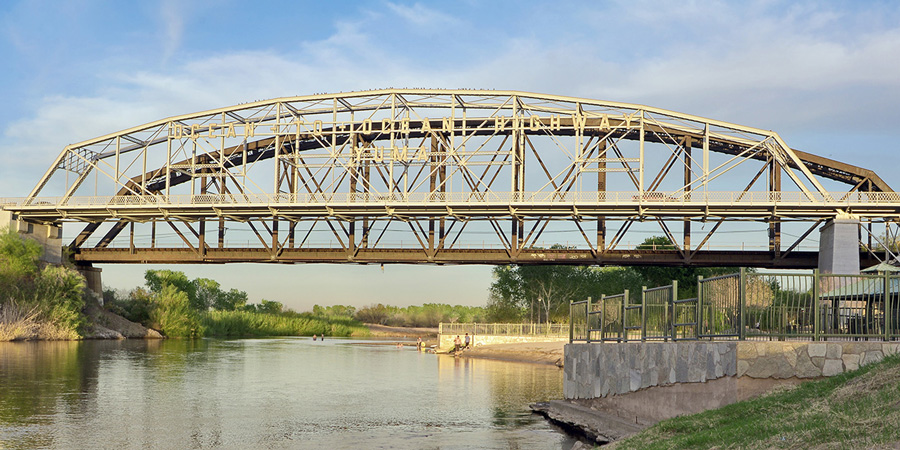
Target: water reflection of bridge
(449, 176)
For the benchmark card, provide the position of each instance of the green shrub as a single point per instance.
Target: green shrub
(60, 293)
(172, 314)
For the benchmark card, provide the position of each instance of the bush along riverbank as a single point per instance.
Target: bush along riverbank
(36, 301)
(856, 409)
(183, 308)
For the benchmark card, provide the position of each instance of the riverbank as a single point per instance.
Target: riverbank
(19, 325)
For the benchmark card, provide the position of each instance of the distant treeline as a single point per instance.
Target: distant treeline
(428, 315)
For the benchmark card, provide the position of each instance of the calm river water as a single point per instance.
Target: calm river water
(267, 393)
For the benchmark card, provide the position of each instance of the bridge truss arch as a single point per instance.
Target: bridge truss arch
(444, 176)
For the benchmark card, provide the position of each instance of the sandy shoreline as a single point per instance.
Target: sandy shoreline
(528, 352)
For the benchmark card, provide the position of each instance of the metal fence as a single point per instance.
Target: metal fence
(749, 306)
(555, 330)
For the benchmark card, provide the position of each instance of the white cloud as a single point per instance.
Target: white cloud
(423, 17)
(174, 26)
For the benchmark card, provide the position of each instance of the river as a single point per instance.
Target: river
(267, 393)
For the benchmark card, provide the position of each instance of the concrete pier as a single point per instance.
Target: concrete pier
(839, 246)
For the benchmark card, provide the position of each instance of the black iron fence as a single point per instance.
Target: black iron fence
(748, 306)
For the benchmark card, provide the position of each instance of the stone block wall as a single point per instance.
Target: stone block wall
(599, 370)
(807, 359)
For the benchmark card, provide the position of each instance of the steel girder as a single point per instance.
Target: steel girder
(439, 161)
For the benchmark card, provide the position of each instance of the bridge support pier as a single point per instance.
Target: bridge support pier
(49, 236)
(92, 279)
(839, 246)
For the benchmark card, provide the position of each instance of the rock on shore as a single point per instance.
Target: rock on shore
(107, 325)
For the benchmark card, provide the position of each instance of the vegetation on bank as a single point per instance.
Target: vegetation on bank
(180, 307)
(856, 409)
(246, 323)
(37, 300)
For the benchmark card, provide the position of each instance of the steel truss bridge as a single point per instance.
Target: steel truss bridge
(449, 177)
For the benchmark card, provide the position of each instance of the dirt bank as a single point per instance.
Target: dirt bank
(530, 352)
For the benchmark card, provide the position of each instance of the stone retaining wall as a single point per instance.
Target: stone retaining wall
(598, 370)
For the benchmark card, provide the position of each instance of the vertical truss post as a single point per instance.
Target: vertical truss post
(641, 157)
(518, 179)
(775, 195)
(366, 189)
(153, 234)
(355, 161)
(168, 163)
(442, 188)
(601, 195)
(705, 159)
(433, 164)
(686, 153)
(202, 237)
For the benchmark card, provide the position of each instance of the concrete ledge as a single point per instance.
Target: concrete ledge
(445, 341)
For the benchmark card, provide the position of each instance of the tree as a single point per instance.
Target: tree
(208, 293)
(231, 300)
(653, 276)
(270, 307)
(158, 279)
(544, 291)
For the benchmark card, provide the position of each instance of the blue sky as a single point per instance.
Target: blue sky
(825, 75)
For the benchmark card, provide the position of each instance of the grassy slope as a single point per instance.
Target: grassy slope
(859, 409)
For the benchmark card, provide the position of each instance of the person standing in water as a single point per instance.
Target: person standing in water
(314, 337)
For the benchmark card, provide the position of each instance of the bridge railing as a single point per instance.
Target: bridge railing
(673, 198)
(750, 306)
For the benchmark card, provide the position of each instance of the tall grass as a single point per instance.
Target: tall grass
(19, 323)
(246, 323)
